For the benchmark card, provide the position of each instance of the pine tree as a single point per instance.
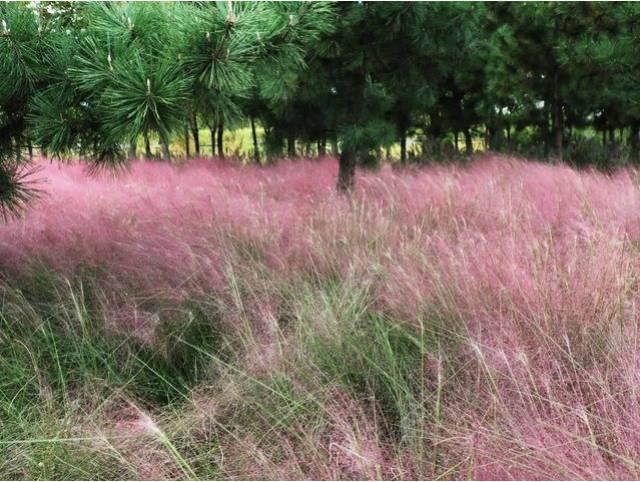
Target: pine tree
(25, 39)
(122, 80)
(243, 57)
(359, 102)
(91, 79)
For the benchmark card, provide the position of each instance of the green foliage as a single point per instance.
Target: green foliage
(145, 97)
(91, 79)
(60, 366)
(380, 361)
(101, 75)
(15, 187)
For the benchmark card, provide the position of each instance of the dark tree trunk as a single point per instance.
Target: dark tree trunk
(433, 145)
(455, 142)
(634, 143)
(334, 147)
(612, 137)
(558, 119)
(468, 141)
(213, 140)
(403, 146)
(495, 136)
(147, 146)
(346, 171)
(545, 130)
(291, 146)
(186, 142)
(322, 147)
(220, 140)
(132, 150)
(256, 150)
(166, 153)
(195, 132)
(30, 147)
(604, 137)
(486, 137)
(43, 151)
(18, 147)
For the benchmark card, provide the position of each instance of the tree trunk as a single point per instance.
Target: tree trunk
(403, 146)
(43, 151)
(30, 147)
(612, 137)
(186, 142)
(166, 153)
(432, 145)
(18, 149)
(604, 137)
(147, 146)
(322, 147)
(346, 171)
(291, 146)
(468, 141)
(569, 133)
(558, 119)
(545, 130)
(334, 147)
(256, 150)
(132, 150)
(455, 142)
(212, 130)
(220, 140)
(492, 137)
(634, 142)
(495, 137)
(486, 137)
(195, 132)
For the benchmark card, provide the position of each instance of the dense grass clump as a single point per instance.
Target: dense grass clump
(222, 322)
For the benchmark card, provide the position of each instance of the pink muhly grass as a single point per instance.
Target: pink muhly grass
(527, 271)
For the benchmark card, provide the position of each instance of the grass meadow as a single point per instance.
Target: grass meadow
(210, 321)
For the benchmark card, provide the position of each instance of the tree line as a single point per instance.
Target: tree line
(436, 79)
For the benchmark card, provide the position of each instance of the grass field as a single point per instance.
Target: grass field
(217, 322)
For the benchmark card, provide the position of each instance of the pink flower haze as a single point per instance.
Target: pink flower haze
(525, 273)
